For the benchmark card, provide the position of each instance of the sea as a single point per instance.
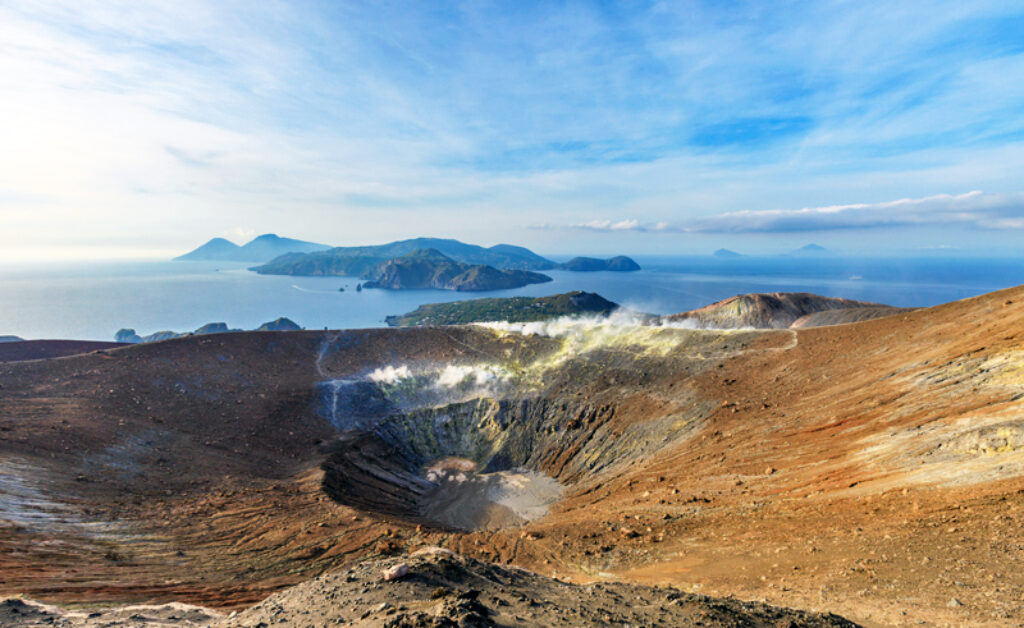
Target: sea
(93, 300)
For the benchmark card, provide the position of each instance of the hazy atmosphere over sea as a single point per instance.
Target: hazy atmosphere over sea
(134, 129)
(92, 300)
(471, 313)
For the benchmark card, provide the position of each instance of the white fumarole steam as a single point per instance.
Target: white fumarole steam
(622, 328)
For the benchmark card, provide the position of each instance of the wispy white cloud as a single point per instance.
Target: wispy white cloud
(187, 120)
(607, 225)
(973, 209)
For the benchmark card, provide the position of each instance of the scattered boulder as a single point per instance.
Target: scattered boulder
(397, 571)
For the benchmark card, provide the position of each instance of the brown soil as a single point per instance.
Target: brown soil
(873, 470)
(22, 350)
(437, 589)
(450, 590)
(780, 310)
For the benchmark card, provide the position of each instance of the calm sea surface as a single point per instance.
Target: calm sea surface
(92, 300)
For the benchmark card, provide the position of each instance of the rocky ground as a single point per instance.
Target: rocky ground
(873, 470)
(21, 350)
(435, 588)
(20, 612)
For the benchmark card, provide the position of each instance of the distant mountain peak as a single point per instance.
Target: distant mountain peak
(812, 247)
(811, 250)
(357, 260)
(427, 253)
(726, 253)
(260, 249)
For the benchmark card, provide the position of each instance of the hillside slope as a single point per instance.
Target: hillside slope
(429, 268)
(874, 470)
(779, 310)
(511, 309)
(358, 260)
(21, 350)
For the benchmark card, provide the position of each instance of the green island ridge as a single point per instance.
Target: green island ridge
(620, 263)
(362, 261)
(512, 310)
(429, 268)
(355, 261)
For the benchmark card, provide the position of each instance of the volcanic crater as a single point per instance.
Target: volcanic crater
(871, 469)
(491, 440)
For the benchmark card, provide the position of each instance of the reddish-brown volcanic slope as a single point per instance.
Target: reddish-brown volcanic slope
(43, 349)
(873, 470)
(781, 310)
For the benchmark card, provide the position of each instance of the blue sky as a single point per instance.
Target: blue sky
(580, 127)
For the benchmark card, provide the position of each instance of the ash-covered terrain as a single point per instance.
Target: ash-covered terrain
(434, 588)
(871, 470)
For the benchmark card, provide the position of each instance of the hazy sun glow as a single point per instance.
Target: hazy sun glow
(145, 128)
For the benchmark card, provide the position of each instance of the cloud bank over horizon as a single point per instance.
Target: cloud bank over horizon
(138, 127)
(975, 210)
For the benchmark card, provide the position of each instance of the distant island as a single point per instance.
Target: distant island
(620, 263)
(323, 264)
(811, 250)
(261, 249)
(359, 260)
(430, 268)
(513, 310)
(128, 335)
(10, 339)
(726, 253)
(364, 261)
